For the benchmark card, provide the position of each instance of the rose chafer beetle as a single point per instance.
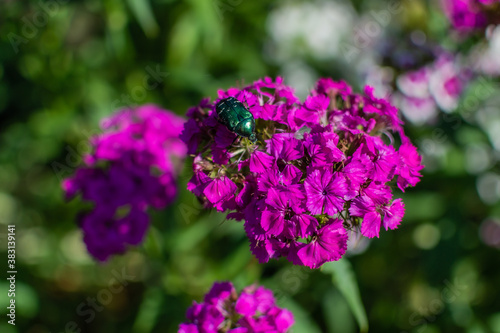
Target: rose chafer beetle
(235, 116)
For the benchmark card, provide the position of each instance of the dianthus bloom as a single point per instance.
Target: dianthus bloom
(133, 165)
(223, 310)
(470, 15)
(318, 168)
(439, 84)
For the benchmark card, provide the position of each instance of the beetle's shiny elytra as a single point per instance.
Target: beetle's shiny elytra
(233, 114)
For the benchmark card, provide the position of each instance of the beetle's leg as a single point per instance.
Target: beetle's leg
(241, 156)
(240, 152)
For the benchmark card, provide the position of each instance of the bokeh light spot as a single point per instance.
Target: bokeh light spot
(426, 236)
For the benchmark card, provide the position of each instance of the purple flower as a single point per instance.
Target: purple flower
(311, 161)
(314, 109)
(284, 215)
(387, 112)
(325, 192)
(275, 217)
(287, 178)
(105, 234)
(188, 328)
(254, 310)
(375, 210)
(260, 162)
(134, 164)
(285, 147)
(329, 244)
(322, 147)
(470, 15)
(409, 166)
(246, 304)
(220, 192)
(384, 159)
(438, 84)
(418, 110)
(415, 83)
(356, 172)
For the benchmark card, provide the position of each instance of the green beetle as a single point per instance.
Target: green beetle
(235, 116)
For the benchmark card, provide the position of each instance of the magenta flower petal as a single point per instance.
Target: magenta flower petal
(284, 320)
(322, 147)
(292, 150)
(286, 147)
(380, 106)
(361, 205)
(223, 137)
(263, 297)
(198, 183)
(409, 166)
(266, 249)
(290, 175)
(394, 214)
(305, 225)
(269, 179)
(247, 193)
(188, 328)
(370, 227)
(246, 304)
(273, 222)
(293, 248)
(220, 190)
(329, 87)
(329, 244)
(380, 194)
(273, 218)
(220, 155)
(220, 291)
(318, 103)
(260, 162)
(325, 191)
(385, 159)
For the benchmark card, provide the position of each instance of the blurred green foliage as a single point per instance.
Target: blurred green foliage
(64, 65)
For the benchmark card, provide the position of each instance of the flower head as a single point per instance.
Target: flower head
(296, 186)
(439, 84)
(223, 310)
(133, 165)
(470, 15)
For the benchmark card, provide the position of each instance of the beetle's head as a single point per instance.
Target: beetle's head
(253, 138)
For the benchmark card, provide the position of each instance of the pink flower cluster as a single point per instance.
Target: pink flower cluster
(318, 168)
(253, 311)
(470, 15)
(439, 84)
(133, 165)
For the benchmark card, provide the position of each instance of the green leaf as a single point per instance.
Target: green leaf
(148, 311)
(345, 280)
(303, 321)
(144, 15)
(337, 312)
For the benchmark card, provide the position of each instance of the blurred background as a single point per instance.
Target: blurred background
(64, 65)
